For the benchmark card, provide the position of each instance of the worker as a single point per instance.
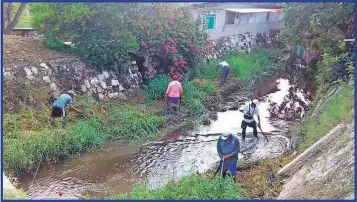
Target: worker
(250, 109)
(59, 105)
(174, 93)
(225, 70)
(228, 147)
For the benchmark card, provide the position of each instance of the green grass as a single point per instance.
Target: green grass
(29, 142)
(337, 110)
(156, 89)
(194, 93)
(190, 187)
(244, 66)
(14, 194)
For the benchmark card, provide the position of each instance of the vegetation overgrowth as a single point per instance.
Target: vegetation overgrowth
(29, 142)
(105, 33)
(245, 67)
(339, 109)
(190, 187)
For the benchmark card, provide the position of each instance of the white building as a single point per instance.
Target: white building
(228, 19)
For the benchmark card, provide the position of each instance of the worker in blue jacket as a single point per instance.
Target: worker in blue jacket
(228, 147)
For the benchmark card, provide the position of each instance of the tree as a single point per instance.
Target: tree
(10, 20)
(105, 33)
(326, 24)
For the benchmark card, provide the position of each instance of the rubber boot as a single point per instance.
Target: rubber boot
(224, 175)
(63, 123)
(52, 123)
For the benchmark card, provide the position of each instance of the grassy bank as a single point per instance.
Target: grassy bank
(244, 66)
(338, 109)
(28, 142)
(190, 187)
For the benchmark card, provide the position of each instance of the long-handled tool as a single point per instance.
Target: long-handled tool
(263, 133)
(218, 168)
(261, 130)
(222, 168)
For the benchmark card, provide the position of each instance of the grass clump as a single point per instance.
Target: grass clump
(128, 122)
(190, 187)
(244, 66)
(156, 89)
(14, 194)
(194, 93)
(29, 149)
(338, 109)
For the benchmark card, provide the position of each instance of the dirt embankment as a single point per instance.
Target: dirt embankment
(18, 51)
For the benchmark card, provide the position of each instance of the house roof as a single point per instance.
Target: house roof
(252, 10)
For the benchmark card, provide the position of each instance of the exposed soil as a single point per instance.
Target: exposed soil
(19, 51)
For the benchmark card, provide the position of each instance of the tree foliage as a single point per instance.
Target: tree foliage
(327, 23)
(105, 33)
(324, 26)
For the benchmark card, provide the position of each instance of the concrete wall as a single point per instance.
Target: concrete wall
(231, 30)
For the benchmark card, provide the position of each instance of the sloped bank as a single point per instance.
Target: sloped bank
(323, 171)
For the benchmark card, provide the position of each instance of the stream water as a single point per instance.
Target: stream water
(116, 168)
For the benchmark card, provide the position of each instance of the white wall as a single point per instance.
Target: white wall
(231, 30)
(255, 23)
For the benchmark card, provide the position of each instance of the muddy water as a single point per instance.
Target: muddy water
(117, 168)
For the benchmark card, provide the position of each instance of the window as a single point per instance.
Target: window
(268, 16)
(211, 21)
(230, 17)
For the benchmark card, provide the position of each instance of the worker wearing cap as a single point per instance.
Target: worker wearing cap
(228, 148)
(59, 105)
(250, 109)
(174, 92)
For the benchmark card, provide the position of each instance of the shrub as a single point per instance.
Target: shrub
(58, 45)
(156, 88)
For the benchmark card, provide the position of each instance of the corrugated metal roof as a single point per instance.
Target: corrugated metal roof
(252, 10)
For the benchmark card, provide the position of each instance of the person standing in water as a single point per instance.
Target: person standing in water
(250, 109)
